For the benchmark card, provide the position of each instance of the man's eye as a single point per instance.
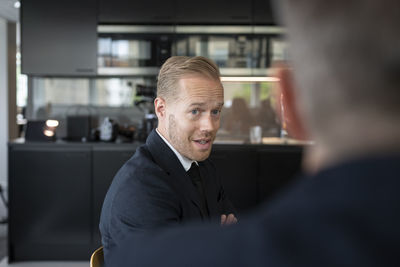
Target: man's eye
(195, 112)
(215, 112)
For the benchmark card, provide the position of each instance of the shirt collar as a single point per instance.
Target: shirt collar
(186, 163)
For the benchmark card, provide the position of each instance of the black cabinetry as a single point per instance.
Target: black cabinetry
(213, 12)
(278, 166)
(238, 169)
(252, 174)
(263, 13)
(56, 191)
(137, 12)
(49, 198)
(59, 37)
(181, 12)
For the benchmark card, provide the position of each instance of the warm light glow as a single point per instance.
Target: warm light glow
(48, 133)
(17, 4)
(51, 123)
(249, 79)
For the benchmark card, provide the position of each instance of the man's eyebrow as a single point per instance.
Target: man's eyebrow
(196, 104)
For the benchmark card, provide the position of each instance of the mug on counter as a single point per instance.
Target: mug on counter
(256, 135)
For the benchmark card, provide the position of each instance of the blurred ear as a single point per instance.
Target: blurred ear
(159, 108)
(287, 104)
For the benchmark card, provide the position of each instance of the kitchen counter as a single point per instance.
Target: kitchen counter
(56, 189)
(218, 141)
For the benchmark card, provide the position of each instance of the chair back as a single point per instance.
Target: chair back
(97, 258)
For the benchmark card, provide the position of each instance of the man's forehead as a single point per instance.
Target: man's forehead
(206, 90)
(199, 81)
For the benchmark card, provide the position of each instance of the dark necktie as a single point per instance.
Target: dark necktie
(194, 173)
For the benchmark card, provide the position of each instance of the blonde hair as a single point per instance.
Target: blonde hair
(177, 67)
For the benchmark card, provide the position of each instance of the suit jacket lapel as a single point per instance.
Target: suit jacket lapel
(167, 160)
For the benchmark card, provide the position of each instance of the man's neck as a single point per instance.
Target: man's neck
(186, 162)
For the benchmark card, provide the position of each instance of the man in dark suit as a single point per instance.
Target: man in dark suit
(346, 212)
(169, 179)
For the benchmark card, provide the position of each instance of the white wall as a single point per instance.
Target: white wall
(3, 103)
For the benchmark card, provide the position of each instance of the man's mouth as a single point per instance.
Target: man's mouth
(203, 143)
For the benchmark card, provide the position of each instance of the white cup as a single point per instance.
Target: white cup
(256, 134)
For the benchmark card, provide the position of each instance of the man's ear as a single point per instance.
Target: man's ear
(159, 107)
(287, 104)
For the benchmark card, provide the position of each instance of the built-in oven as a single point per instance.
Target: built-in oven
(133, 50)
(141, 50)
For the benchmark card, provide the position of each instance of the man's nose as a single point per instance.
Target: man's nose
(207, 123)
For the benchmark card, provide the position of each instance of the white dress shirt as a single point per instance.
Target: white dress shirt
(186, 163)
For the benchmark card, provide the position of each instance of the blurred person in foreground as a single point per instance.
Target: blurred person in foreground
(169, 180)
(346, 94)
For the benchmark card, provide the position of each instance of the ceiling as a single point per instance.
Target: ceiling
(8, 11)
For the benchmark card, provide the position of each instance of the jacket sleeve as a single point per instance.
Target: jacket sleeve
(227, 206)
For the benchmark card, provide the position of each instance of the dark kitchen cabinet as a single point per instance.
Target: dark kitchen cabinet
(55, 193)
(175, 12)
(213, 12)
(278, 166)
(59, 37)
(49, 196)
(239, 171)
(137, 12)
(56, 190)
(252, 174)
(263, 12)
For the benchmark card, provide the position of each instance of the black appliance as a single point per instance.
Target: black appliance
(78, 127)
(144, 101)
(141, 50)
(37, 131)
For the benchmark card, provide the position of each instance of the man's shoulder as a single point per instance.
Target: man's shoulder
(140, 164)
(134, 182)
(142, 155)
(360, 188)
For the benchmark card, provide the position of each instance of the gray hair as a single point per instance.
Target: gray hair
(346, 59)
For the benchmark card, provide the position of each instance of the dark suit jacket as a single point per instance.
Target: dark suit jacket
(348, 215)
(152, 189)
